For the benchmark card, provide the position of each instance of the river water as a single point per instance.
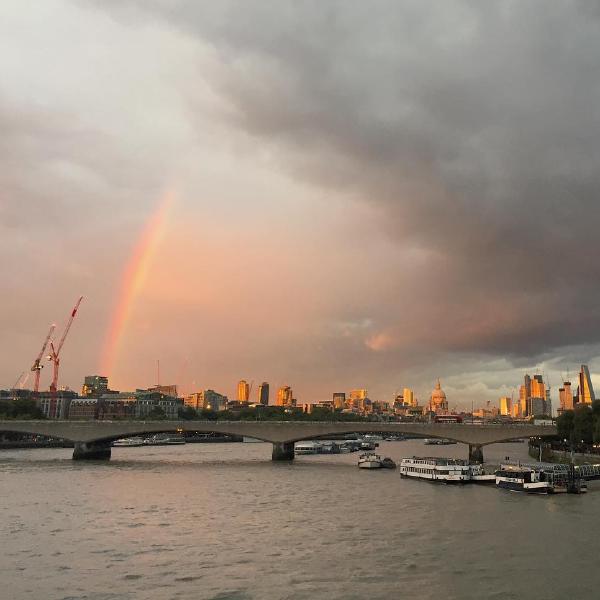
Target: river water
(221, 521)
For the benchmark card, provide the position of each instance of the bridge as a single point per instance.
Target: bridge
(92, 439)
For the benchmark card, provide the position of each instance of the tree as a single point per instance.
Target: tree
(597, 431)
(187, 413)
(21, 408)
(564, 425)
(157, 413)
(583, 425)
(207, 414)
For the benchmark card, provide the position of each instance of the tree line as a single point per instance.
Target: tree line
(581, 425)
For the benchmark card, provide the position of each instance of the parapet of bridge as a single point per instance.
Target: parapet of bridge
(93, 438)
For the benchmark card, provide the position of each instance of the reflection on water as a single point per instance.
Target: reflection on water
(222, 521)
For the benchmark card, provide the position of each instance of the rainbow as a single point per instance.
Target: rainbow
(132, 281)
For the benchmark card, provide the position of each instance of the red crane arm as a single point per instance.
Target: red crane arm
(66, 331)
(36, 364)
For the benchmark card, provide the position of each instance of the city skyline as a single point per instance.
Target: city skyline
(336, 226)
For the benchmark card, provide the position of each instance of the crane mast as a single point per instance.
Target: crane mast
(54, 357)
(37, 366)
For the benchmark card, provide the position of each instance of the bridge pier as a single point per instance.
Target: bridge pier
(283, 451)
(475, 453)
(91, 451)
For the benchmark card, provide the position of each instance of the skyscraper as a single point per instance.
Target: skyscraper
(565, 396)
(506, 406)
(243, 391)
(586, 390)
(524, 395)
(284, 396)
(409, 397)
(534, 397)
(263, 393)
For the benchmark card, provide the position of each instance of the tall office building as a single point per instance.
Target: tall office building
(534, 397)
(285, 396)
(524, 395)
(263, 393)
(409, 397)
(565, 397)
(339, 400)
(506, 406)
(243, 391)
(586, 390)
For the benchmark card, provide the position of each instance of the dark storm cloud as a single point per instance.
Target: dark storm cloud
(472, 127)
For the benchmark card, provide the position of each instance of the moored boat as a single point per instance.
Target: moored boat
(369, 460)
(523, 479)
(307, 448)
(165, 439)
(128, 442)
(439, 470)
(479, 475)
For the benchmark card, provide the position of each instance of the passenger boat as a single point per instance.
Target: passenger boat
(129, 442)
(478, 475)
(369, 460)
(437, 442)
(523, 479)
(165, 439)
(388, 463)
(439, 470)
(307, 448)
(368, 445)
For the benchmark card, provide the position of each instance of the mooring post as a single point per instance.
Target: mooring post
(91, 451)
(283, 451)
(475, 453)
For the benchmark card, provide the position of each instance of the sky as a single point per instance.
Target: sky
(326, 195)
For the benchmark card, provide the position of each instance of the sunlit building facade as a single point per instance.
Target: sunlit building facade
(534, 397)
(243, 391)
(206, 399)
(94, 386)
(285, 396)
(408, 397)
(438, 403)
(339, 400)
(586, 389)
(506, 406)
(263, 393)
(565, 397)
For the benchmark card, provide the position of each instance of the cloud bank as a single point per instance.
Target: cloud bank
(401, 189)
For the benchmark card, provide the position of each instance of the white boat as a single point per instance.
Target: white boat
(369, 460)
(523, 479)
(307, 448)
(439, 470)
(437, 442)
(165, 439)
(129, 442)
(478, 475)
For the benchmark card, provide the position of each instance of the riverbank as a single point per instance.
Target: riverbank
(562, 456)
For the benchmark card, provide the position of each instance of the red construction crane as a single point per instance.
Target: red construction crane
(55, 358)
(37, 366)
